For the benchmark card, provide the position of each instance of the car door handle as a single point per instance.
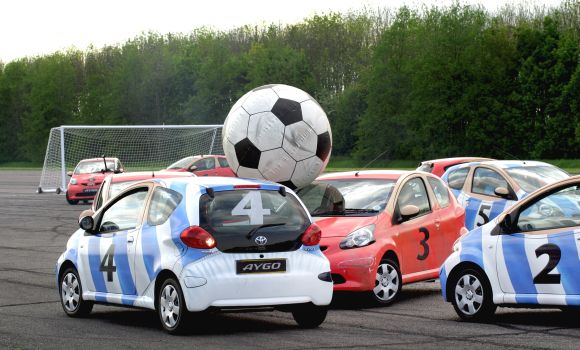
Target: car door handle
(437, 223)
(130, 239)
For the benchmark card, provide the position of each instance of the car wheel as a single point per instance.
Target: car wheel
(309, 315)
(71, 294)
(472, 296)
(71, 201)
(388, 282)
(171, 307)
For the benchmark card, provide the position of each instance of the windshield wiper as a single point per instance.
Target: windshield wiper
(255, 229)
(356, 210)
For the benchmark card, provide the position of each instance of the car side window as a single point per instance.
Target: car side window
(205, 164)
(414, 193)
(557, 210)
(440, 190)
(163, 203)
(485, 181)
(99, 198)
(456, 178)
(223, 162)
(124, 213)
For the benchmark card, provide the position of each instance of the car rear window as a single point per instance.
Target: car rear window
(456, 178)
(238, 212)
(426, 167)
(223, 162)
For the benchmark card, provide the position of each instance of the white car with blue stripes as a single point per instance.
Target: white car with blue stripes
(184, 245)
(527, 256)
(487, 188)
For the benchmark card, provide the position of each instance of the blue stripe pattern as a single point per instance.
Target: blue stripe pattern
(471, 212)
(94, 264)
(569, 264)
(519, 271)
(150, 251)
(123, 265)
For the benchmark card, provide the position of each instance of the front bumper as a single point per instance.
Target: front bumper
(353, 269)
(213, 282)
(81, 192)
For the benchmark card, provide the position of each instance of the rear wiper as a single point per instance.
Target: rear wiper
(255, 229)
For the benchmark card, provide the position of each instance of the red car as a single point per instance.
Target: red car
(88, 176)
(439, 166)
(210, 165)
(382, 229)
(115, 183)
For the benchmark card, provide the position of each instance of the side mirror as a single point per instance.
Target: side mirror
(506, 224)
(69, 173)
(193, 168)
(502, 192)
(87, 223)
(409, 211)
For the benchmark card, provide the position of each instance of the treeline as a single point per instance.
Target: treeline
(405, 84)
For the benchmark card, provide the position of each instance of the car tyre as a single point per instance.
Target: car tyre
(472, 296)
(171, 307)
(309, 315)
(388, 283)
(71, 201)
(71, 294)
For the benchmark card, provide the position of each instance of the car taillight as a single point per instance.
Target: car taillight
(312, 235)
(196, 237)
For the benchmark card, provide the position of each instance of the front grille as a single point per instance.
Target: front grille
(86, 194)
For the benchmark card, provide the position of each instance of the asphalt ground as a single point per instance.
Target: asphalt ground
(33, 232)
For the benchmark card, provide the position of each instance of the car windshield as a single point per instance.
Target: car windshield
(182, 163)
(94, 166)
(530, 178)
(348, 197)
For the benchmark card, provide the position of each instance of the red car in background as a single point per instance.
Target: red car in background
(210, 165)
(382, 229)
(439, 166)
(88, 176)
(115, 183)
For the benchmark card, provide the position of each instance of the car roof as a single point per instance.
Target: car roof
(214, 181)
(456, 159)
(365, 174)
(97, 159)
(145, 175)
(506, 164)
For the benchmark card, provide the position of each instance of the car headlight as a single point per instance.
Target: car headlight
(457, 244)
(73, 181)
(359, 238)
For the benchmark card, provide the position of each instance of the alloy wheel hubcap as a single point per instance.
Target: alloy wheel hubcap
(469, 294)
(70, 292)
(169, 304)
(386, 282)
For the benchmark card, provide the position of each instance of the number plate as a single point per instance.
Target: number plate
(260, 266)
(90, 190)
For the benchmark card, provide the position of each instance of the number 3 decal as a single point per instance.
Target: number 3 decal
(423, 243)
(554, 253)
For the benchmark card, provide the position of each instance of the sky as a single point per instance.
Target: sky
(39, 27)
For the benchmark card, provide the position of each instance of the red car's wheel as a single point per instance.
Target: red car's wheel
(71, 201)
(388, 282)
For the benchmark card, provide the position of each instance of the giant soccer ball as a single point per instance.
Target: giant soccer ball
(278, 133)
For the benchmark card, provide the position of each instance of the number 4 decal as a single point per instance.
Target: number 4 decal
(554, 253)
(255, 212)
(108, 263)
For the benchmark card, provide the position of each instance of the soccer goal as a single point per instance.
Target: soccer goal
(139, 147)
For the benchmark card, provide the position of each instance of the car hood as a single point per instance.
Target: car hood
(341, 226)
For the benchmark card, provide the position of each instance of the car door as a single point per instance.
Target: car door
(413, 237)
(480, 201)
(204, 167)
(539, 256)
(450, 222)
(107, 255)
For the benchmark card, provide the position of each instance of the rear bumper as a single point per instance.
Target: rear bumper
(213, 282)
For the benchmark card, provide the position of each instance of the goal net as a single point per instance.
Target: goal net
(143, 147)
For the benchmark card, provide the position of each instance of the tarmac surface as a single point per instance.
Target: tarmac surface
(33, 232)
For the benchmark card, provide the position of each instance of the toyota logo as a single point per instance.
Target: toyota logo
(261, 240)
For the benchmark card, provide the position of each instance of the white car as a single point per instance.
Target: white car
(527, 256)
(184, 245)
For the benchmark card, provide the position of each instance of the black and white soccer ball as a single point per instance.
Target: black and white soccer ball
(277, 133)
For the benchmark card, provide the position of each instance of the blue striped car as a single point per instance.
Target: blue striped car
(485, 189)
(183, 245)
(528, 255)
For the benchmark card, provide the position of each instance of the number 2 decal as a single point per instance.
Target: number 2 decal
(424, 244)
(108, 263)
(483, 215)
(554, 253)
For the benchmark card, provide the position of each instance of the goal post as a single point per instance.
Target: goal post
(138, 147)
